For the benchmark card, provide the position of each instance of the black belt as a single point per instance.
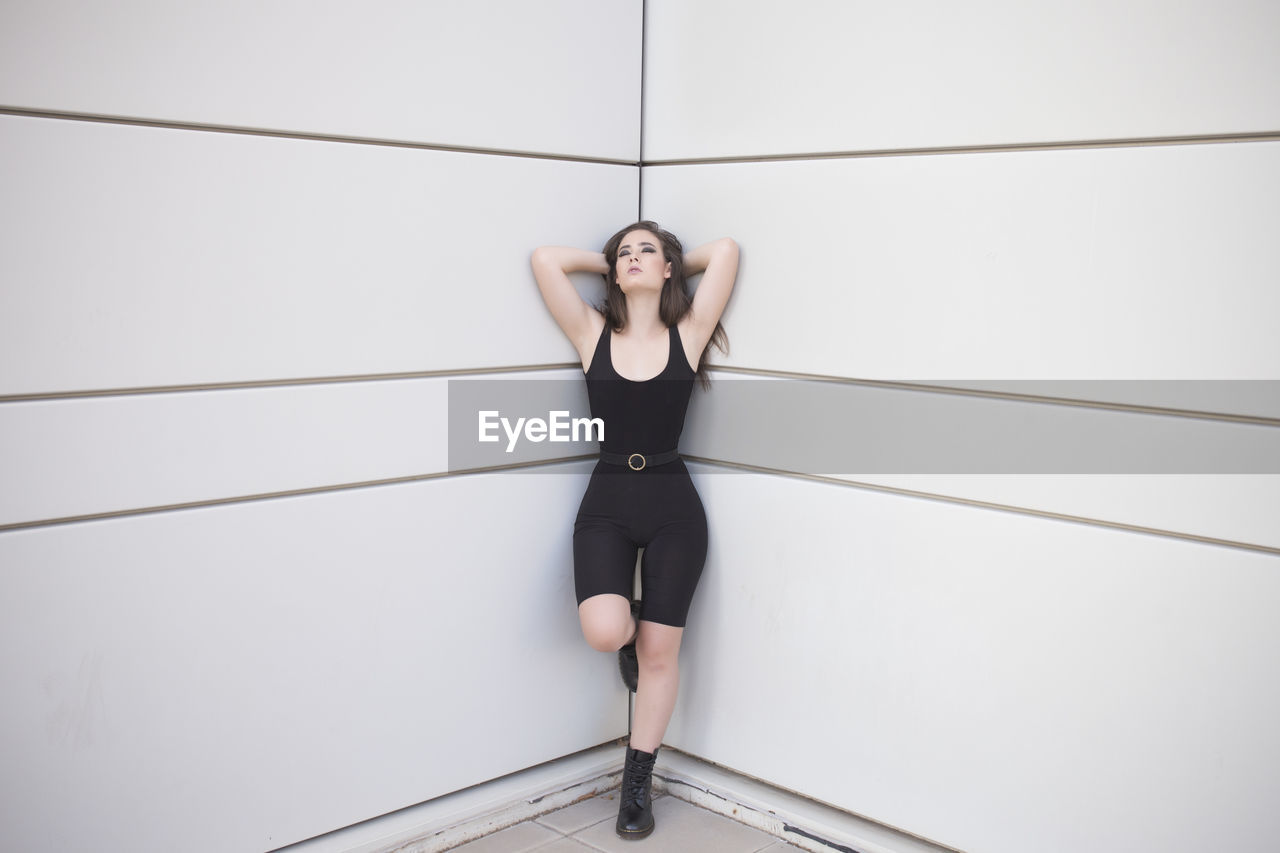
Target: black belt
(639, 461)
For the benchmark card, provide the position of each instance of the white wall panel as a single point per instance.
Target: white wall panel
(1133, 263)
(103, 454)
(142, 256)
(990, 681)
(78, 456)
(1239, 508)
(724, 78)
(241, 677)
(558, 77)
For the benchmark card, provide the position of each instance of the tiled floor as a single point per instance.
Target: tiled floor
(587, 827)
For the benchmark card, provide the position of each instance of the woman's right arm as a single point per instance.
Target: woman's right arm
(551, 267)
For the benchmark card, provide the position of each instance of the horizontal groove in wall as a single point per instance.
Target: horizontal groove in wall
(440, 475)
(303, 135)
(288, 493)
(1056, 516)
(1135, 142)
(996, 148)
(283, 383)
(1003, 395)
(531, 368)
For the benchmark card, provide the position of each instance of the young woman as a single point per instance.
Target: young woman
(641, 352)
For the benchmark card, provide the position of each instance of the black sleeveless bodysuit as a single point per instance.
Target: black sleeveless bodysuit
(656, 508)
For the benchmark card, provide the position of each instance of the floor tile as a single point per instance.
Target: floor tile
(682, 828)
(520, 838)
(578, 816)
(566, 845)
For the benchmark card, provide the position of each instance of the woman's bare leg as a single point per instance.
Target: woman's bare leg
(658, 649)
(607, 625)
(606, 621)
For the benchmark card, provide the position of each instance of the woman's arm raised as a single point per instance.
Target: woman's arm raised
(551, 268)
(718, 262)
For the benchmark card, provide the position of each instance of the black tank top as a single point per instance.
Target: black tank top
(640, 417)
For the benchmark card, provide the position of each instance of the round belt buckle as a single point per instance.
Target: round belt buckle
(633, 456)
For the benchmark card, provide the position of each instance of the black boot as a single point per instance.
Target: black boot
(635, 807)
(628, 663)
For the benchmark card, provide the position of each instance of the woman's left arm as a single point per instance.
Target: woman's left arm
(718, 263)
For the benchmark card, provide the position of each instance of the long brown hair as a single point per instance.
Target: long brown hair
(675, 300)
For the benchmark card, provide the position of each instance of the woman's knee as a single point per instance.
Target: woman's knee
(604, 638)
(658, 647)
(657, 659)
(606, 624)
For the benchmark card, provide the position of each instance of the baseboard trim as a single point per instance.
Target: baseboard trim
(806, 823)
(454, 819)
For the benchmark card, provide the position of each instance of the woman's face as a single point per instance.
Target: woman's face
(641, 263)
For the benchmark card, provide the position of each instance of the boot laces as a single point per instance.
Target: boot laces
(635, 781)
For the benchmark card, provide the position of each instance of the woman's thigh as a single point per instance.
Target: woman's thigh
(604, 561)
(670, 570)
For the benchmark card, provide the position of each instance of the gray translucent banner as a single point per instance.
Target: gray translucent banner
(848, 428)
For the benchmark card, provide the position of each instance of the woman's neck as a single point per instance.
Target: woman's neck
(643, 317)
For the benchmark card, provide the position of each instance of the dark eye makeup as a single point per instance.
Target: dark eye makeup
(644, 247)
